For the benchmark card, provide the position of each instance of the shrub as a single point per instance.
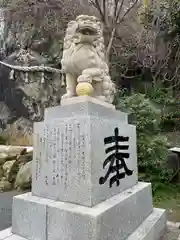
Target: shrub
(151, 144)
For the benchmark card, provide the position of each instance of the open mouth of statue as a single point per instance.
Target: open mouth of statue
(87, 30)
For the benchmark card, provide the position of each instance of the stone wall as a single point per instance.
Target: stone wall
(15, 168)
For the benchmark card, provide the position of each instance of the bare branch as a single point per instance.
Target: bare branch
(128, 10)
(115, 9)
(104, 7)
(96, 4)
(110, 44)
(119, 11)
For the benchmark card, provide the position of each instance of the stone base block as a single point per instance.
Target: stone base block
(113, 219)
(83, 106)
(5, 233)
(80, 99)
(153, 228)
(29, 215)
(78, 159)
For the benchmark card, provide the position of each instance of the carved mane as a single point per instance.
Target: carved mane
(71, 36)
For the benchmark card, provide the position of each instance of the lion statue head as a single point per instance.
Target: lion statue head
(85, 29)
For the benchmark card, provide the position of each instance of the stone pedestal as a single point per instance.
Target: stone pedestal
(85, 179)
(69, 153)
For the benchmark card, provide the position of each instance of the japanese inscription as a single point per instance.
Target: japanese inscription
(54, 155)
(62, 155)
(58, 156)
(82, 140)
(36, 155)
(66, 156)
(116, 159)
(46, 152)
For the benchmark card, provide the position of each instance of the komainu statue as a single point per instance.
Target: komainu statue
(83, 60)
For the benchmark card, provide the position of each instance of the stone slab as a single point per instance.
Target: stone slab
(153, 228)
(113, 219)
(10, 148)
(82, 109)
(5, 233)
(29, 216)
(69, 154)
(80, 99)
(15, 237)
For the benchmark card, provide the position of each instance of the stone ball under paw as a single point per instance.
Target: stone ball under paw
(84, 89)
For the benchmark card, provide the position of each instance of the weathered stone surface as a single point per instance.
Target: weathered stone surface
(113, 219)
(24, 177)
(69, 154)
(153, 228)
(15, 237)
(1, 172)
(9, 153)
(3, 157)
(18, 99)
(82, 106)
(85, 99)
(10, 164)
(5, 233)
(7, 168)
(5, 185)
(13, 171)
(67, 220)
(20, 133)
(25, 158)
(29, 216)
(15, 151)
(20, 161)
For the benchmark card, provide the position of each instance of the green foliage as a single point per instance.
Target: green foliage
(142, 112)
(164, 100)
(173, 18)
(146, 16)
(151, 144)
(169, 106)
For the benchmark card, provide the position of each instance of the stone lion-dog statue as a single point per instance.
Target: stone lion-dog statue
(84, 59)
